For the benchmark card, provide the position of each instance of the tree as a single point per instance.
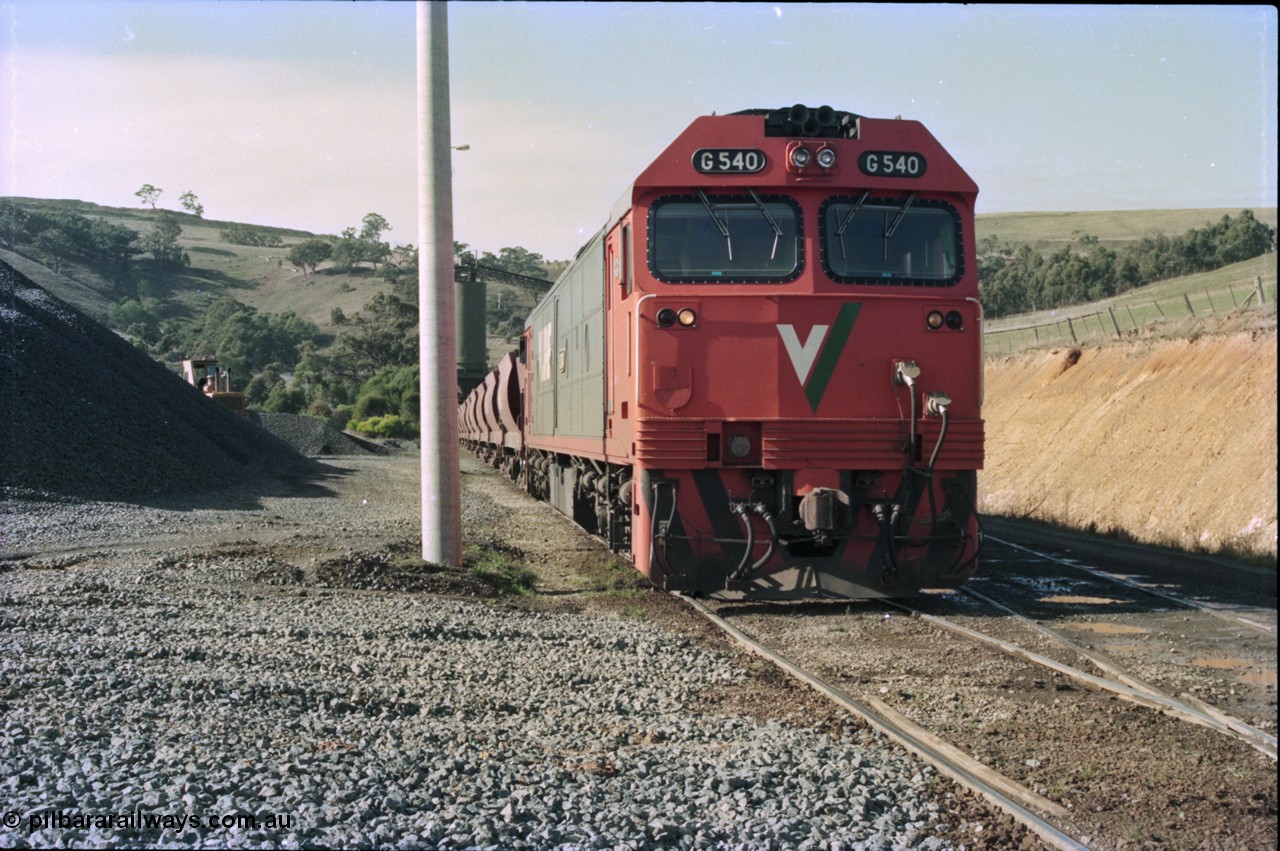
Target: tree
(382, 336)
(55, 244)
(149, 194)
(162, 242)
(311, 253)
(285, 400)
(374, 249)
(247, 235)
(521, 261)
(134, 318)
(245, 340)
(192, 204)
(325, 377)
(405, 256)
(348, 251)
(114, 246)
(362, 246)
(373, 226)
(1243, 238)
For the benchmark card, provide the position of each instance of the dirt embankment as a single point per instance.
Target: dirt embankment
(1170, 441)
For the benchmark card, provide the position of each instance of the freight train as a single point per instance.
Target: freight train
(762, 378)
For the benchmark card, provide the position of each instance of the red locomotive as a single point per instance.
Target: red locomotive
(763, 377)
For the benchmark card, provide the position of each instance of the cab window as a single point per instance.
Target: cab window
(902, 241)
(725, 238)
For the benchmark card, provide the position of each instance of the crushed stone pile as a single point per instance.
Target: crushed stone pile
(311, 436)
(84, 414)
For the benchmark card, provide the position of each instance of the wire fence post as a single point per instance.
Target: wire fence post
(1262, 297)
(1113, 321)
(1186, 298)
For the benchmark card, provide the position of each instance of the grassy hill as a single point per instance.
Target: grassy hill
(1113, 228)
(1164, 303)
(263, 278)
(260, 277)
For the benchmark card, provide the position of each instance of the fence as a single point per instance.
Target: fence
(1117, 318)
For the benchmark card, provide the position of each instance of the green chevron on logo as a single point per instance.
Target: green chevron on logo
(815, 377)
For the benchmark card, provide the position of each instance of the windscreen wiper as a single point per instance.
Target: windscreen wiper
(845, 222)
(777, 231)
(724, 229)
(888, 232)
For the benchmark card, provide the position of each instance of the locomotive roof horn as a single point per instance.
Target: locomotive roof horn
(812, 122)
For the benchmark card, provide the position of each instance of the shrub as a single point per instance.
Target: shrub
(248, 235)
(391, 390)
(387, 426)
(310, 253)
(285, 400)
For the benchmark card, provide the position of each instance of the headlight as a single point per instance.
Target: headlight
(827, 157)
(934, 320)
(800, 157)
(739, 446)
(685, 317)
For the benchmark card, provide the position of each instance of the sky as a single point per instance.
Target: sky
(304, 114)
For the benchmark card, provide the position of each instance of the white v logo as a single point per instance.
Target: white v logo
(803, 354)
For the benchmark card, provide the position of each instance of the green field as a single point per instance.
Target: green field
(1114, 228)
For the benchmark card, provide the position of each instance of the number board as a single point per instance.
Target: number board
(892, 164)
(729, 160)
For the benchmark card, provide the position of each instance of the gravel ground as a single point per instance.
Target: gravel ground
(312, 436)
(210, 640)
(224, 676)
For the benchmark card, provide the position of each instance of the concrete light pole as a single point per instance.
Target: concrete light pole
(437, 337)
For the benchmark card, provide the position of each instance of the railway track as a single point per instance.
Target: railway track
(1087, 702)
(1024, 805)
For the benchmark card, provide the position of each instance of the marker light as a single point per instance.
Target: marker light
(687, 317)
(800, 157)
(666, 317)
(934, 320)
(955, 321)
(826, 157)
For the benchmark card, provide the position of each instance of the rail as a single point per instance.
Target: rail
(1014, 799)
